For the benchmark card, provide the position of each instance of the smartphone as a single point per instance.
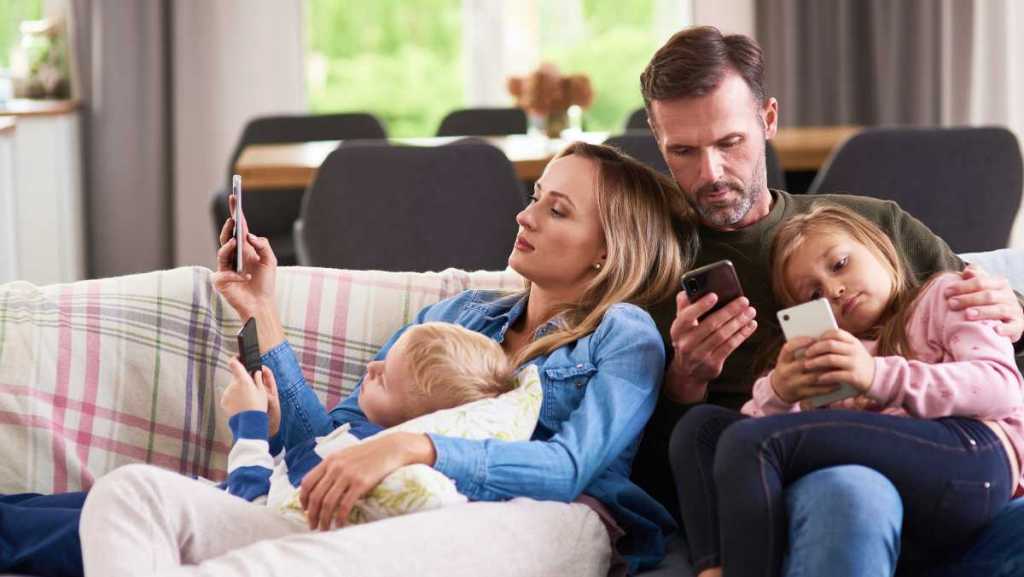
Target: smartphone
(813, 319)
(719, 278)
(236, 190)
(249, 347)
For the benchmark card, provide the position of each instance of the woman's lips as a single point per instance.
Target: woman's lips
(522, 245)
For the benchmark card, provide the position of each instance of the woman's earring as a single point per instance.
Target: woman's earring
(597, 266)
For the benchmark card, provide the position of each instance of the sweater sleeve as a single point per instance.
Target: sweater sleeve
(979, 377)
(765, 402)
(249, 462)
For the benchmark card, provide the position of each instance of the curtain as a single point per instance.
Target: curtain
(868, 61)
(120, 54)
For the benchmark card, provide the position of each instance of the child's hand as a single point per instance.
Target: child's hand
(244, 394)
(791, 379)
(839, 357)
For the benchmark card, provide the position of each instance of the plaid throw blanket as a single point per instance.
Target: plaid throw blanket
(97, 374)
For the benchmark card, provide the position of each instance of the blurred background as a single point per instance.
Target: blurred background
(120, 119)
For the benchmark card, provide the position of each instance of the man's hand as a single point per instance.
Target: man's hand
(331, 489)
(839, 357)
(987, 297)
(701, 347)
(245, 394)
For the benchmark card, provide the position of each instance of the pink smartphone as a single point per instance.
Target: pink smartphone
(239, 216)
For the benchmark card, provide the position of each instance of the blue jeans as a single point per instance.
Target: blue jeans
(845, 521)
(952, 473)
(39, 534)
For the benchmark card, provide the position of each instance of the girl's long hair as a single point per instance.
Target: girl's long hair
(891, 328)
(649, 237)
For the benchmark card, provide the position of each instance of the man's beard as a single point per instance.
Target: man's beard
(720, 216)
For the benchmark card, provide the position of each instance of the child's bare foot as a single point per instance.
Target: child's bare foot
(712, 572)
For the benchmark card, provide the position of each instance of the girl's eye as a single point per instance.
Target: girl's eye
(533, 198)
(557, 213)
(840, 263)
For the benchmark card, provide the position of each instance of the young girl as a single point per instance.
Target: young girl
(940, 413)
(433, 366)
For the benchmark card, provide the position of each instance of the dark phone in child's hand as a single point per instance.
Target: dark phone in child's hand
(249, 347)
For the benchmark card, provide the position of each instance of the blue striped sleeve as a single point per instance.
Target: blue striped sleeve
(249, 463)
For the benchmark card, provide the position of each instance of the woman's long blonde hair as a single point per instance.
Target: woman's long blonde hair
(649, 238)
(891, 327)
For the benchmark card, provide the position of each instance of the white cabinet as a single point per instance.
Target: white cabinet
(45, 177)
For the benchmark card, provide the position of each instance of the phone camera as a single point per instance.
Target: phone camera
(785, 317)
(691, 284)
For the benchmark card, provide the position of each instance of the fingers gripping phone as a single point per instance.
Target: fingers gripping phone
(249, 347)
(236, 191)
(719, 278)
(814, 319)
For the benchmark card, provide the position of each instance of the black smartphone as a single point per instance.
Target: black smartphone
(719, 278)
(249, 347)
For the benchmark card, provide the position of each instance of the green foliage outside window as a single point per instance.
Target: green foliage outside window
(402, 60)
(12, 13)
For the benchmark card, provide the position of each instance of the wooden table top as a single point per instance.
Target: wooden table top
(295, 165)
(26, 107)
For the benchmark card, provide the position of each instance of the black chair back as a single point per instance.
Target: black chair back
(637, 120)
(272, 212)
(641, 145)
(483, 122)
(404, 208)
(963, 183)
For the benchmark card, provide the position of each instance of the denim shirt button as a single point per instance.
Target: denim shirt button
(579, 384)
(579, 366)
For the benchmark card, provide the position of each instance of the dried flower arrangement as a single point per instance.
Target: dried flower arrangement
(546, 95)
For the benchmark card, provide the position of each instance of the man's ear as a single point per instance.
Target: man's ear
(770, 118)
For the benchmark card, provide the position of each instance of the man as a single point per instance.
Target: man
(711, 117)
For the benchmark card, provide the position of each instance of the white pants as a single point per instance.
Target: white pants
(142, 520)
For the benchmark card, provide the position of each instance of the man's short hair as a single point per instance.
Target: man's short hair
(695, 60)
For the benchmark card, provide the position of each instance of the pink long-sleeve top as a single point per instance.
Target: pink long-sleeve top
(962, 368)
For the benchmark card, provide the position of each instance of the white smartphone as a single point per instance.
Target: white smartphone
(814, 319)
(236, 190)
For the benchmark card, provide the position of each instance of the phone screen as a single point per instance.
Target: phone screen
(236, 190)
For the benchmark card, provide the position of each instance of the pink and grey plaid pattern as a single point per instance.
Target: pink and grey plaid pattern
(97, 374)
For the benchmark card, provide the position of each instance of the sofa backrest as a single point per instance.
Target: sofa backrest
(97, 374)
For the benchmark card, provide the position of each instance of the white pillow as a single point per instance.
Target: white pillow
(508, 417)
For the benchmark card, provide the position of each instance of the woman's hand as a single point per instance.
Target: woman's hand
(792, 380)
(330, 490)
(245, 394)
(253, 291)
(839, 357)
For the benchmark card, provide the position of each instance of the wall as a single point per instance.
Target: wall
(233, 59)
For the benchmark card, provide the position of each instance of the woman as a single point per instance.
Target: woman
(597, 235)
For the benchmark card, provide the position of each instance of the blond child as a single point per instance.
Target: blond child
(432, 366)
(940, 411)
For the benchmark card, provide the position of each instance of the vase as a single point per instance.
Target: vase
(555, 122)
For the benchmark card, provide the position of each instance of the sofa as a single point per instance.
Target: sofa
(101, 373)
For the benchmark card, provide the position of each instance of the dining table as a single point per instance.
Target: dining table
(294, 165)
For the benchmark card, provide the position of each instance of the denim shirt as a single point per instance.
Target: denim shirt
(599, 392)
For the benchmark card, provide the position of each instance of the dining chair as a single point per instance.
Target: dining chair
(410, 208)
(271, 212)
(483, 122)
(965, 184)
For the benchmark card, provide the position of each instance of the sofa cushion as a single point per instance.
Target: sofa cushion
(96, 374)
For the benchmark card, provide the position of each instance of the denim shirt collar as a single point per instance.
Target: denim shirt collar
(506, 311)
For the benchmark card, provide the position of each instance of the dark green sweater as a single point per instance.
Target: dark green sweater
(749, 250)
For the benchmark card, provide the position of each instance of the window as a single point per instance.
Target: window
(399, 60)
(12, 13)
(411, 63)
